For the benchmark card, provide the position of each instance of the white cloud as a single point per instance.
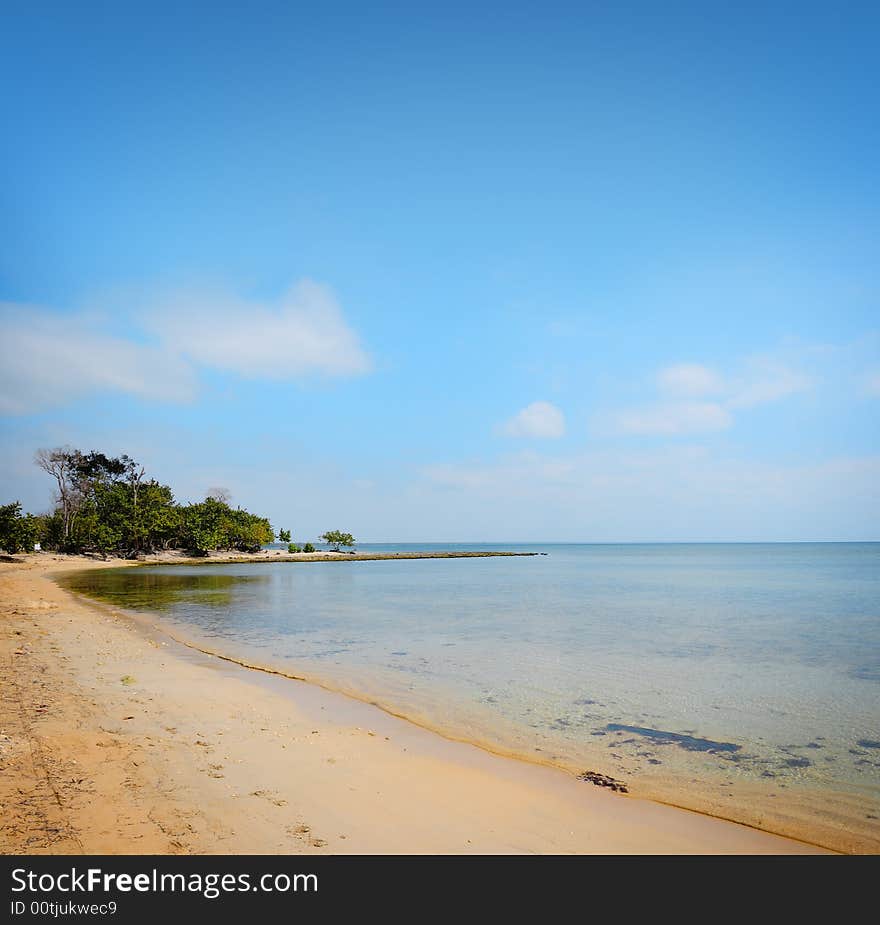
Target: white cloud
(682, 492)
(304, 332)
(527, 467)
(47, 358)
(761, 380)
(766, 380)
(690, 380)
(675, 418)
(540, 420)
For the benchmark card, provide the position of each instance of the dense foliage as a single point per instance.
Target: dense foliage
(18, 532)
(336, 539)
(106, 504)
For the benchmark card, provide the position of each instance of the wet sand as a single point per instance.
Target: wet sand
(116, 739)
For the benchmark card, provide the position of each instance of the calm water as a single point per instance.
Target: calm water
(744, 666)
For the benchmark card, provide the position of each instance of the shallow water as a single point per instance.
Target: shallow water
(748, 668)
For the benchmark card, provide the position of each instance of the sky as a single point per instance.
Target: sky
(593, 272)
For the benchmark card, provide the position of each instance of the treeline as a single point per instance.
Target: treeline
(108, 505)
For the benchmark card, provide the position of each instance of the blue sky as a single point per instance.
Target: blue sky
(578, 272)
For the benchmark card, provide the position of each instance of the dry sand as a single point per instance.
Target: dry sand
(114, 739)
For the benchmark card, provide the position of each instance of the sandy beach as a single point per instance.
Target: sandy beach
(116, 739)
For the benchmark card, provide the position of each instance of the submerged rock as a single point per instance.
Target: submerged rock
(691, 743)
(603, 780)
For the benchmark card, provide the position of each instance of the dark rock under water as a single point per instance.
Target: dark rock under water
(603, 780)
(691, 743)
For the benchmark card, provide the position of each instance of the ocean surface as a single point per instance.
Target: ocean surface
(741, 679)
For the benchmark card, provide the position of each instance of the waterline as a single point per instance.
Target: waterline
(603, 658)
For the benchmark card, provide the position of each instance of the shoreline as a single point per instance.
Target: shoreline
(178, 557)
(145, 622)
(502, 804)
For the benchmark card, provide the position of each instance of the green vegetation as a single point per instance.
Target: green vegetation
(284, 536)
(292, 547)
(337, 539)
(107, 505)
(18, 532)
(308, 548)
(212, 524)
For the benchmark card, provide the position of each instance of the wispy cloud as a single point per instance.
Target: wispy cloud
(302, 333)
(687, 417)
(540, 420)
(525, 469)
(680, 492)
(49, 357)
(684, 388)
(766, 380)
(689, 379)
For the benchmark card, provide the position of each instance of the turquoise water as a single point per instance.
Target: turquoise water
(749, 668)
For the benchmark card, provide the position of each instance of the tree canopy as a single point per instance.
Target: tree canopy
(337, 539)
(17, 531)
(108, 505)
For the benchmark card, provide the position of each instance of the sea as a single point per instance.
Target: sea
(740, 679)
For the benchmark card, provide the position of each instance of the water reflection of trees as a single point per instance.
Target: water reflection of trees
(147, 590)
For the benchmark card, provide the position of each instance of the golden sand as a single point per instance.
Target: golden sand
(116, 740)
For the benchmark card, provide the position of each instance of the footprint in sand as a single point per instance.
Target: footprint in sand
(270, 796)
(303, 832)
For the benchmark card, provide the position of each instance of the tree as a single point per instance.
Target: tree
(203, 526)
(284, 536)
(248, 532)
(107, 503)
(17, 532)
(337, 538)
(211, 524)
(61, 464)
(86, 482)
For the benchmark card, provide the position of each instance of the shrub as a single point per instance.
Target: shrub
(17, 532)
(308, 548)
(336, 539)
(292, 547)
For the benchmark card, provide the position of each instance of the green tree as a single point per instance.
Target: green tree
(203, 526)
(212, 524)
(248, 532)
(160, 517)
(337, 539)
(106, 503)
(49, 530)
(284, 536)
(97, 499)
(17, 532)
